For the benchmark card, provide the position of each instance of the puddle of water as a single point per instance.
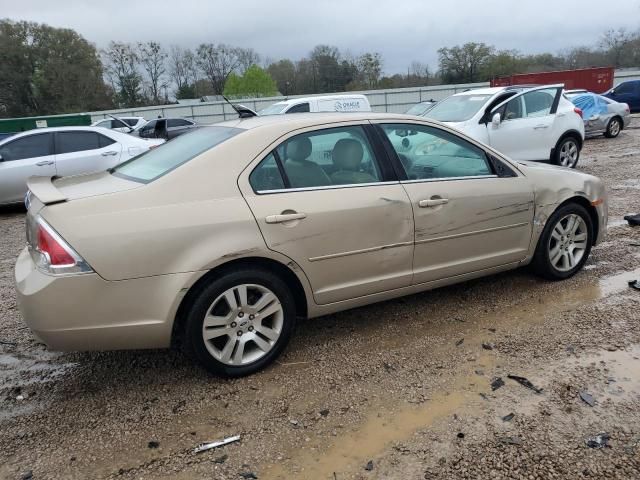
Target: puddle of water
(392, 422)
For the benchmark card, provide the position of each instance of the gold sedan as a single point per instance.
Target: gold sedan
(218, 240)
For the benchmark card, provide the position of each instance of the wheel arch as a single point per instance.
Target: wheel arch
(285, 272)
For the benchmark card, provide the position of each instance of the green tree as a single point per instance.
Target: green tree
(46, 70)
(122, 67)
(464, 63)
(254, 83)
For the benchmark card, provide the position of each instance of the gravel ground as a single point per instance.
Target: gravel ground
(398, 390)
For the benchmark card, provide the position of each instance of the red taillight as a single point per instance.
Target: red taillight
(58, 256)
(578, 111)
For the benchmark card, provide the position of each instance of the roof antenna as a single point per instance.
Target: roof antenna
(241, 110)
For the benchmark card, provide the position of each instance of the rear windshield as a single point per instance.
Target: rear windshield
(457, 108)
(161, 160)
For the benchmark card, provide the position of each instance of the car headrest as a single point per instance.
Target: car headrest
(347, 154)
(298, 149)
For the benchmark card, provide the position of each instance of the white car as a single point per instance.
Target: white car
(521, 122)
(116, 123)
(320, 103)
(62, 151)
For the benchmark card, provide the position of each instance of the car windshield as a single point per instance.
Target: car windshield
(160, 161)
(420, 109)
(274, 109)
(457, 108)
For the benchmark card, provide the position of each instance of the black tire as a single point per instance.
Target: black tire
(194, 343)
(563, 144)
(541, 263)
(613, 128)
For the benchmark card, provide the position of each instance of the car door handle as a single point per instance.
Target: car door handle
(110, 153)
(432, 202)
(44, 162)
(285, 217)
(540, 127)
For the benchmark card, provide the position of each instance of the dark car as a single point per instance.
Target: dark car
(626, 92)
(166, 128)
(4, 135)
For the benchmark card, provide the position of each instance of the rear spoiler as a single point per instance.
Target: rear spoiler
(44, 190)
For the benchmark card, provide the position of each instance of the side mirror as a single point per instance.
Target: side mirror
(496, 119)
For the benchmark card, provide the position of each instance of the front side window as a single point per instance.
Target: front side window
(32, 146)
(626, 87)
(429, 153)
(69, 142)
(300, 108)
(160, 161)
(177, 122)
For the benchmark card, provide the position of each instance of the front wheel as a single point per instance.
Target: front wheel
(567, 152)
(613, 128)
(239, 323)
(565, 243)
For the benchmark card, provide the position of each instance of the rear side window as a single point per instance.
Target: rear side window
(266, 176)
(105, 141)
(300, 108)
(69, 142)
(132, 122)
(39, 145)
(177, 122)
(160, 161)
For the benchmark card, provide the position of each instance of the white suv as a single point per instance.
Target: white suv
(522, 122)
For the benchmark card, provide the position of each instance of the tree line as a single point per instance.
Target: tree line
(46, 70)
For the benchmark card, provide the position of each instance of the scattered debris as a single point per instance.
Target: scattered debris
(492, 330)
(249, 475)
(508, 418)
(496, 383)
(525, 383)
(488, 346)
(153, 444)
(221, 459)
(601, 440)
(511, 440)
(634, 284)
(20, 398)
(324, 412)
(459, 342)
(460, 435)
(179, 406)
(570, 349)
(633, 220)
(479, 372)
(634, 244)
(4, 342)
(27, 475)
(484, 396)
(587, 398)
(369, 466)
(208, 446)
(294, 422)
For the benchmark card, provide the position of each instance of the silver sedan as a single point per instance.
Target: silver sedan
(602, 116)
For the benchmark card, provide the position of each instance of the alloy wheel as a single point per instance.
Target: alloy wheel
(614, 128)
(569, 153)
(243, 324)
(568, 242)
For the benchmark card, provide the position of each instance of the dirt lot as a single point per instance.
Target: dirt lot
(398, 390)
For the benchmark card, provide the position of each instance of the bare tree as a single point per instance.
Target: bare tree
(217, 62)
(153, 60)
(121, 67)
(178, 69)
(247, 57)
(615, 42)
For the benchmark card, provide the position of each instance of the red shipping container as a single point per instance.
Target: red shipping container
(598, 80)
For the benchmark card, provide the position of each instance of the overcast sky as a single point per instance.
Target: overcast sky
(402, 30)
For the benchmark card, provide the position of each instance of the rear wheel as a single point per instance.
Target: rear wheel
(565, 243)
(567, 152)
(613, 128)
(239, 323)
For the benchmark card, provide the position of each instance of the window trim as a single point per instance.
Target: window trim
(388, 174)
(398, 164)
(57, 141)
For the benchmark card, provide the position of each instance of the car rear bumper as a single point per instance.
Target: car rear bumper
(86, 312)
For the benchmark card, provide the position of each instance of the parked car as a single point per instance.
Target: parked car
(602, 116)
(321, 103)
(166, 128)
(420, 109)
(121, 124)
(316, 214)
(61, 151)
(626, 92)
(4, 135)
(522, 122)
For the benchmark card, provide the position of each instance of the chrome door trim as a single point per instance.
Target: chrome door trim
(325, 187)
(449, 179)
(357, 252)
(476, 232)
